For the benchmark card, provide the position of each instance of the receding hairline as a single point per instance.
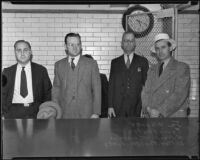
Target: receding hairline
(128, 32)
(22, 41)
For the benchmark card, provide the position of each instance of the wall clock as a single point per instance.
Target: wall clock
(141, 24)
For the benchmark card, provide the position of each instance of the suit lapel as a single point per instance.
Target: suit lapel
(12, 77)
(80, 68)
(133, 65)
(167, 73)
(122, 65)
(66, 71)
(34, 80)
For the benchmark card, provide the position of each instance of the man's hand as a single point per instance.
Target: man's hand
(153, 112)
(111, 112)
(95, 116)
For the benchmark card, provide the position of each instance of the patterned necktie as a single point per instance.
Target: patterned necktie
(23, 86)
(72, 63)
(128, 63)
(161, 69)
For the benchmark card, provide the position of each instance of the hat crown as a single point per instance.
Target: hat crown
(161, 36)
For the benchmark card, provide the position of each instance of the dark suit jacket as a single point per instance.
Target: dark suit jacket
(117, 85)
(41, 91)
(104, 96)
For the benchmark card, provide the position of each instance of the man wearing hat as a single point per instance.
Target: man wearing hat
(166, 91)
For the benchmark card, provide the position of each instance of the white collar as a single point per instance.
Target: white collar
(76, 59)
(27, 66)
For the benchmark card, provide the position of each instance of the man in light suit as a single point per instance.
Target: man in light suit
(27, 86)
(127, 77)
(166, 91)
(77, 84)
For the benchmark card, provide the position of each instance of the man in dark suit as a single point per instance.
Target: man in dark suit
(127, 77)
(104, 92)
(28, 85)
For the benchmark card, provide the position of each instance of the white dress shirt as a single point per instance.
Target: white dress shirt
(130, 57)
(17, 98)
(76, 59)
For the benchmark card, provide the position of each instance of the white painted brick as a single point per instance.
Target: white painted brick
(92, 48)
(87, 43)
(100, 34)
(52, 15)
(108, 30)
(38, 24)
(100, 25)
(54, 34)
(39, 34)
(46, 29)
(63, 20)
(46, 19)
(31, 29)
(101, 43)
(108, 48)
(82, 15)
(38, 15)
(118, 16)
(54, 44)
(108, 39)
(70, 24)
(100, 52)
(77, 20)
(70, 15)
(31, 19)
(78, 30)
(22, 25)
(14, 20)
(80, 25)
(93, 39)
(5, 25)
(88, 52)
(93, 21)
(39, 44)
(23, 15)
(8, 15)
(107, 57)
(93, 30)
(87, 35)
(100, 16)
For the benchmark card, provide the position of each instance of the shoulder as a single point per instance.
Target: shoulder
(182, 65)
(9, 69)
(141, 58)
(38, 66)
(117, 59)
(88, 61)
(60, 62)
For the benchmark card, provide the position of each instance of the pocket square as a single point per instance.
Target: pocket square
(139, 69)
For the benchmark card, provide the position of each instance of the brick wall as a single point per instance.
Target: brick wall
(101, 35)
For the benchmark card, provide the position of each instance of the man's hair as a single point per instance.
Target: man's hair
(128, 32)
(72, 35)
(88, 56)
(22, 41)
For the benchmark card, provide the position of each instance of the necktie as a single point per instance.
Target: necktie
(23, 86)
(128, 63)
(161, 69)
(72, 63)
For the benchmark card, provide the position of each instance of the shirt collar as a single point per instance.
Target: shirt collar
(76, 59)
(27, 66)
(166, 62)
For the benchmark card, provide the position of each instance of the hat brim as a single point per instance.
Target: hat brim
(173, 45)
(52, 105)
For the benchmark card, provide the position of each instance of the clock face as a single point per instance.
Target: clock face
(136, 20)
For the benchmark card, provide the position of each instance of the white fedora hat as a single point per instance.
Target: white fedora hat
(163, 36)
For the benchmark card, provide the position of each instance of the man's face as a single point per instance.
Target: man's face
(73, 46)
(162, 49)
(128, 43)
(22, 53)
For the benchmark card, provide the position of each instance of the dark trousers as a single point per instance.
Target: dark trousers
(19, 111)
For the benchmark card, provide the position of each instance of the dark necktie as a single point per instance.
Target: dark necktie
(161, 69)
(72, 63)
(128, 63)
(23, 86)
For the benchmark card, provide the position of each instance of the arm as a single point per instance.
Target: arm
(145, 70)
(111, 87)
(56, 86)
(47, 86)
(4, 107)
(180, 94)
(96, 88)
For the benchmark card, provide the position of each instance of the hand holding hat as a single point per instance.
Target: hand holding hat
(48, 110)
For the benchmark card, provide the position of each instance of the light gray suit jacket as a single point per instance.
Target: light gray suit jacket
(89, 86)
(169, 93)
